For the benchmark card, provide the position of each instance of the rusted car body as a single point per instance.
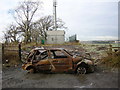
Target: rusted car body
(56, 60)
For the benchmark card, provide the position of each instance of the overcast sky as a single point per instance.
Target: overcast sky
(89, 19)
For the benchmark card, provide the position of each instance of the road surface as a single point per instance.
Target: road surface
(15, 77)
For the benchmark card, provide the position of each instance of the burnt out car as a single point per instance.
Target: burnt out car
(56, 60)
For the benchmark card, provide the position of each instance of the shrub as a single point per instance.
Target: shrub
(112, 59)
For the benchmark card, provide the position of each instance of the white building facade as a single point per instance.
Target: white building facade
(55, 37)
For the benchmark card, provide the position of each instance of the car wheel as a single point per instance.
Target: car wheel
(81, 70)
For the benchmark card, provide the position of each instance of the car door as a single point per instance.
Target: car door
(43, 64)
(61, 61)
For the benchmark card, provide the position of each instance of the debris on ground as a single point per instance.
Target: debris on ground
(89, 51)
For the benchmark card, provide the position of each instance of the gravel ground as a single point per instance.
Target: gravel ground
(15, 77)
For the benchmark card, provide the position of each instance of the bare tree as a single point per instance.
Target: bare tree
(24, 17)
(46, 23)
(27, 28)
(12, 34)
(6, 37)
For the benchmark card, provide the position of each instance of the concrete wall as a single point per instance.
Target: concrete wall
(55, 37)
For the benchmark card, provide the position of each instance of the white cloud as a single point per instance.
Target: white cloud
(106, 38)
(82, 17)
(89, 38)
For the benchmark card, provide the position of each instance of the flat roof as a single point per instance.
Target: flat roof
(58, 32)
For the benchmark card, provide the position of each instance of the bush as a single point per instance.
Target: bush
(112, 59)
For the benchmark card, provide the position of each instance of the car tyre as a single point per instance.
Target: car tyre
(81, 70)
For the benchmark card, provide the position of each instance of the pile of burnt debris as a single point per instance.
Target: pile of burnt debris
(91, 52)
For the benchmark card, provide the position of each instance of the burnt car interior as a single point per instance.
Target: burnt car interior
(38, 55)
(55, 54)
(41, 55)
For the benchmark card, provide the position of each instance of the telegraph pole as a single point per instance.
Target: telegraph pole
(54, 14)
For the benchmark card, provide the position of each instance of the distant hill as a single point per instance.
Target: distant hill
(100, 41)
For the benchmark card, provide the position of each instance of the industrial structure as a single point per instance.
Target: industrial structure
(55, 37)
(73, 38)
(55, 14)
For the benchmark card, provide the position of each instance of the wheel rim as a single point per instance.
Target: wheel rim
(81, 70)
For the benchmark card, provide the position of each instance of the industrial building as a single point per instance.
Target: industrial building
(55, 37)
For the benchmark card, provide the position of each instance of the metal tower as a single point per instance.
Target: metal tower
(54, 14)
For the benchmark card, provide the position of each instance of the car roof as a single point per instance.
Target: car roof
(48, 49)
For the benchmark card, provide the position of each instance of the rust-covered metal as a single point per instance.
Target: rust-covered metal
(55, 60)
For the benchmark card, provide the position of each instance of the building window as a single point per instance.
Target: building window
(52, 39)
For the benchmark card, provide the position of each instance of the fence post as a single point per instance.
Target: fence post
(2, 52)
(19, 46)
(110, 48)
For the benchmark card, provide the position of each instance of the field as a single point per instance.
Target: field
(103, 77)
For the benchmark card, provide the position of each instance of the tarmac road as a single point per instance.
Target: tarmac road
(15, 77)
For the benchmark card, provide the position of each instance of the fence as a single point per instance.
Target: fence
(11, 52)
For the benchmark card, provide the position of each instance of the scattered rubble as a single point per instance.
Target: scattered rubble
(87, 51)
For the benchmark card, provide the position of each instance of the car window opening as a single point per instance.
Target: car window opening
(37, 56)
(55, 54)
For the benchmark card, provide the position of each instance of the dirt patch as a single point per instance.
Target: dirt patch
(17, 78)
